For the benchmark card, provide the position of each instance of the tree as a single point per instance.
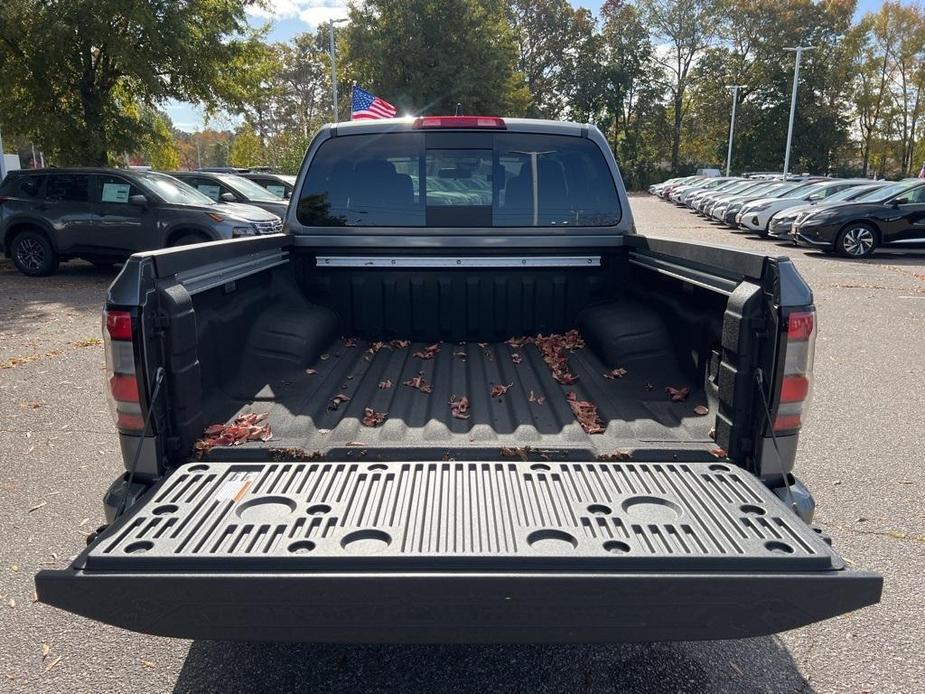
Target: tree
(161, 150)
(554, 44)
(688, 27)
(73, 69)
(425, 56)
(246, 148)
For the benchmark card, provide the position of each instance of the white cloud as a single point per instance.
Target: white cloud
(312, 12)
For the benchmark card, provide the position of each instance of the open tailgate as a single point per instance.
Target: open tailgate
(512, 551)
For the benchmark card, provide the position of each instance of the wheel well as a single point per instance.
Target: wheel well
(177, 233)
(18, 229)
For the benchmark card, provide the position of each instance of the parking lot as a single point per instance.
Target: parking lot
(860, 454)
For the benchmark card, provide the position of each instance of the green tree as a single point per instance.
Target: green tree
(687, 28)
(73, 69)
(425, 56)
(160, 148)
(246, 148)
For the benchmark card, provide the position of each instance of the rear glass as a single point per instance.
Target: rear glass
(458, 180)
(24, 186)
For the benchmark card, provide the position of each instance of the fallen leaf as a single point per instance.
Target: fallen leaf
(245, 427)
(46, 649)
(677, 394)
(701, 410)
(586, 414)
(385, 385)
(52, 664)
(459, 407)
(428, 352)
(649, 386)
(371, 418)
(419, 383)
(615, 456)
(516, 341)
(12, 603)
(38, 506)
(148, 664)
(718, 452)
(350, 342)
(497, 390)
(517, 357)
(521, 452)
(325, 357)
(615, 373)
(399, 344)
(338, 400)
(460, 355)
(293, 453)
(311, 372)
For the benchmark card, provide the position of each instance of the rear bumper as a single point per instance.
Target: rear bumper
(459, 607)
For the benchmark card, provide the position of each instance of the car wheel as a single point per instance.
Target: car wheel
(187, 239)
(856, 241)
(33, 254)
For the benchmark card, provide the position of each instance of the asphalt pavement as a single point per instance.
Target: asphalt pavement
(861, 454)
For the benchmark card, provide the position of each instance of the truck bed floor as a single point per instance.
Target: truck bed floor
(534, 411)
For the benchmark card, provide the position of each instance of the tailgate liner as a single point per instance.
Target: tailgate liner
(480, 516)
(458, 552)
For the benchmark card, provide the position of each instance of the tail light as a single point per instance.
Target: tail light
(797, 380)
(121, 374)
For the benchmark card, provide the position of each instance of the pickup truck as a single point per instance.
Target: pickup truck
(461, 400)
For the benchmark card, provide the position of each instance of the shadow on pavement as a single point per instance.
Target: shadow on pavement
(750, 665)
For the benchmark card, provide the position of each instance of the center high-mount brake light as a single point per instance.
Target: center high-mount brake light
(796, 383)
(121, 376)
(491, 122)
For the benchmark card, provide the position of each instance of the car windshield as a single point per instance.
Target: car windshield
(789, 189)
(851, 193)
(886, 192)
(173, 190)
(248, 189)
(741, 186)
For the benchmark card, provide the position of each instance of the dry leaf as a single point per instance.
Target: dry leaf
(52, 664)
(385, 385)
(521, 452)
(616, 456)
(419, 383)
(12, 603)
(498, 390)
(677, 394)
(459, 407)
(399, 344)
(615, 373)
(46, 649)
(371, 418)
(311, 372)
(325, 357)
(460, 355)
(517, 358)
(245, 427)
(428, 352)
(718, 452)
(586, 414)
(701, 410)
(350, 342)
(148, 664)
(338, 400)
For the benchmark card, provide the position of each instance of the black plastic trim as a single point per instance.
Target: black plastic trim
(459, 607)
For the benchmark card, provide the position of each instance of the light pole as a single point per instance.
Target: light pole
(331, 24)
(793, 101)
(2, 159)
(732, 123)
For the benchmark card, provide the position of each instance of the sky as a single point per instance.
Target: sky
(291, 17)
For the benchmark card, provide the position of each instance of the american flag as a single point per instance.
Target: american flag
(366, 106)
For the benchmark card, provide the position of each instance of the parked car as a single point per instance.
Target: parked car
(755, 215)
(701, 201)
(278, 184)
(408, 494)
(48, 216)
(710, 184)
(231, 188)
(781, 222)
(726, 210)
(891, 217)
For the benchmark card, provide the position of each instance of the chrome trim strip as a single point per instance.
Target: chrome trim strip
(457, 261)
(686, 274)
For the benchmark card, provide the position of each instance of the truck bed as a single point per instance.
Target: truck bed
(534, 411)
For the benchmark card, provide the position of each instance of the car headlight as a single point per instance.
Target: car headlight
(243, 231)
(758, 208)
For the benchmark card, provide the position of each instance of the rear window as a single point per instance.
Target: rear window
(68, 187)
(23, 186)
(458, 180)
